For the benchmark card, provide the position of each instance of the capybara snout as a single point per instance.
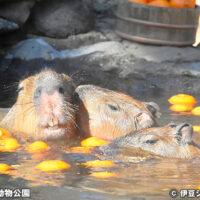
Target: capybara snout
(109, 114)
(53, 103)
(44, 107)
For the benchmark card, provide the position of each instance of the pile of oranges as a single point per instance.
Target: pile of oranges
(168, 3)
(182, 102)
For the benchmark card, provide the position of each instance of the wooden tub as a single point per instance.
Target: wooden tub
(157, 25)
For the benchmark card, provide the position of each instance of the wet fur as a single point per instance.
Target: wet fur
(22, 119)
(168, 143)
(95, 118)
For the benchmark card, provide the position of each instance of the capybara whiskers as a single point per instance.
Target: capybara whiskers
(10, 86)
(43, 109)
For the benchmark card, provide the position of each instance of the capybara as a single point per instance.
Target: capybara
(171, 141)
(44, 108)
(108, 114)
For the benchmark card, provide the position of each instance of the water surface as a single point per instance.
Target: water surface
(140, 180)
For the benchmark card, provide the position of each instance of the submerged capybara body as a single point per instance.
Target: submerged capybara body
(109, 114)
(172, 141)
(44, 107)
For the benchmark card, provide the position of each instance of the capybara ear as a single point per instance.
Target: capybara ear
(184, 133)
(153, 108)
(76, 99)
(66, 77)
(70, 80)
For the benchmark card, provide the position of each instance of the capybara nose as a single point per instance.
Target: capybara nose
(49, 100)
(48, 90)
(144, 121)
(50, 108)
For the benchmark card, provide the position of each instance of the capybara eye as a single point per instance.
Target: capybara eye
(20, 89)
(61, 90)
(114, 108)
(172, 125)
(151, 142)
(139, 114)
(76, 98)
(38, 92)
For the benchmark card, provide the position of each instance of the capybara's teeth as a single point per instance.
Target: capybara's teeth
(55, 122)
(51, 123)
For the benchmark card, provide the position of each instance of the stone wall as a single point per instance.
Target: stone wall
(78, 37)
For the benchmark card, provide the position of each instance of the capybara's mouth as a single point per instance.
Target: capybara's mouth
(54, 132)
(53, 129)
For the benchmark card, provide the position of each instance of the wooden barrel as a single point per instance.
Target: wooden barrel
(157, 25)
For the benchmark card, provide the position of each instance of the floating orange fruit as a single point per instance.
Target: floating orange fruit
(139, 1)
(37, 146)
(160, 3)
(93, 142)
(4, 133)
(196, 128)
(104, 174)
(182, 99)
(190, 3)
(182, 3)
(81, 150)
(196, 110)
(181, 107)
(8, 144)
(177, 3)
(53, 165)
(4, 168)
(99, 163)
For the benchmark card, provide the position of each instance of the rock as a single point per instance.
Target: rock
(106, 17)
(109, 64)
(74, 41)
(16, 11)
(33, 49)
(62, 18)
(161, 54)
(106, 7)
(7, 26)
(37, 48)
(128, 60)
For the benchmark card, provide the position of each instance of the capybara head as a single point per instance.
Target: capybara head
(44, 107)
(109, 114)
(173, 141)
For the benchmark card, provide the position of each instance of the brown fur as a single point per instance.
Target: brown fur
(102, 113)
(109, 114)
(22, 119)
(169, 141)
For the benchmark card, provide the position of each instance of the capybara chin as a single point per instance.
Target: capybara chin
(171, 141)
(109, 114)
(43, 109)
